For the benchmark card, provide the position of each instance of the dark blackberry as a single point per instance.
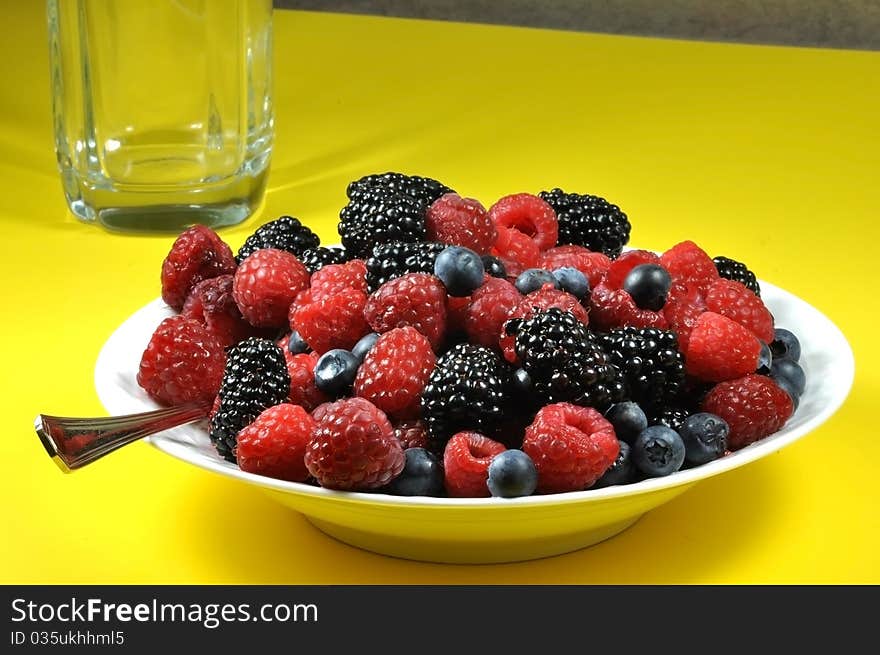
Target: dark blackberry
(738, 272)
(285, 233)
(423, 189)
(316, 258)
(672, 416)
(379, 215)
(589, 221)
(467, 390)
(255, 378)
(391, 260)
(563, 362)
(650, 361)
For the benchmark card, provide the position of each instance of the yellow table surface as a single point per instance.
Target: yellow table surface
(770, 155)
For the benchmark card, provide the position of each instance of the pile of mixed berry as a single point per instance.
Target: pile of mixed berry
(449, 350)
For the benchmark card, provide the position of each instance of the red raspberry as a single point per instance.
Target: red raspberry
(488, 310)
(411, 434)
(720, 349)
(275, 444)
(266, 284)
(211, 303)
(336, 321)
(530, 215)
(516, 251)
(460, 222)
(333, 278)
(183, 363)
(301, 369)
(682, 309)
(395, 371)
(353, 446)
(466, 462)
(456, 311)
(735, 301)
(542, 299)
(414, 299)
(610, 308)
(687, 263)
(620, 267)
(571, 446)
(197, 254)
(592, 264)
(753, 406)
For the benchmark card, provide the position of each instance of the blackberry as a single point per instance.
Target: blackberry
(738, 272)
(255, 378)
(650, 361)
(316, 258)
(589, 221)
(391, 260)
(285, 233)
(467, 390)
(423, 189)
(563, 362)
(379, 215)
(672, 416)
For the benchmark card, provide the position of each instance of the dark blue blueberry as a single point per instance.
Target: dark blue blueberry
(704, 436)
(533, 279)
(785, 345)
(658, 451)
(572, 281)
(494, 266)
(522, 381)
(648, 284)
(790, 371)
(765, 360)
(511, 474)
(460, 270)
(621, 472)
(628, 420)
(335, 371)
(422, 475)
(296, 344)
(364, 345)
(786, 386)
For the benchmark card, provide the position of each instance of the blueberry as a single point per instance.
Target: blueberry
(422, 475)
(704, 436)
(522, 381)
(785, 345)
(572, 281)
(648, 284)
(512, 473)
(494, 266)
(628, 420)
(658, 451)
(296, 344)
(533, 279)
(765, 360)
(364, 345)
(335, 371)
(621, 471)
(790, 371)
(460, 270)
(786, 386)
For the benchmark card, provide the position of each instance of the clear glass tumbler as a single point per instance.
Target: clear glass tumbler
(162, 109)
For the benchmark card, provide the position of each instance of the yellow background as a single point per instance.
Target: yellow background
(770, 155)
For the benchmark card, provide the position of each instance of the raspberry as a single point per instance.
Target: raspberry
(687, 263)
(352, 446)
(211, 303)
(620, 267)
(336, 321)
(411, 434)
(274, 445)
(516, 251)
(303, 391)
(720, 349)
(415, 299)
(456, 313)
(489, 308)
(592, 264)
(183, 362)
(333, 278)
(610, 308)
(459, 221)
(682, 309)
(753, 406)
(266, 284)
(197, 254)
(543, 299)
(395, 371)
(530, 215)
(571, 446)
(466, 460)
(735, 301)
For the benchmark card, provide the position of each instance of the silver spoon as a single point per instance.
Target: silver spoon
(74, 442)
